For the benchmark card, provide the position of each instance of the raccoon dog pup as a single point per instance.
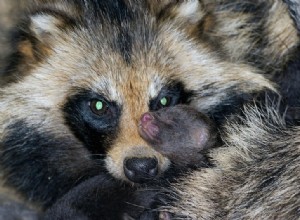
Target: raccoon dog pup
(180, 133)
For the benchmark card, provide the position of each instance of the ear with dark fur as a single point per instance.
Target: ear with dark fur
(33, 40)
(44, 25)
(187, 14)
(183, 11)
(43, 29)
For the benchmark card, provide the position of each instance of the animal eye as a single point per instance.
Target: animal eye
(98, 107)
(165, 101)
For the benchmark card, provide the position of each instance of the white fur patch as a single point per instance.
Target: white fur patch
(42, 24)
(155, 87)
(190, 9)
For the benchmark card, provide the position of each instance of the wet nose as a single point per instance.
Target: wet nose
(140, 170)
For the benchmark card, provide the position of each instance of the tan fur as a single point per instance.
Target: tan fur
(230, 27)
(63, 71)
(67, 59)
(10, 11)
(281, 31)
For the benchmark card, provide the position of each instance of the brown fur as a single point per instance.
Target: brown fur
(51, 86)
(264, 29)
(64, 48)
(10, 13)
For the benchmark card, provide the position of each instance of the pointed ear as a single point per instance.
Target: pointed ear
(190, 11)
(35, 37)
(45, 25)
(39, 33)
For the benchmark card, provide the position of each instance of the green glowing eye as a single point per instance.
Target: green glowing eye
(99, 105)
(164, 101)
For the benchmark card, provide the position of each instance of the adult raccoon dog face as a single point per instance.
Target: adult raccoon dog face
(84, 73)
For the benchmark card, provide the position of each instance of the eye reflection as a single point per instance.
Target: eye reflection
(98, 107)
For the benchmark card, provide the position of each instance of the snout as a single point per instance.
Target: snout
(140, 170)
(136, 164)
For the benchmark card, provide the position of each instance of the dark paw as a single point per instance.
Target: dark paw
(151, 215)
(151, 200)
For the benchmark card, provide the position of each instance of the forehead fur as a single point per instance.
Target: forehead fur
(119, 50)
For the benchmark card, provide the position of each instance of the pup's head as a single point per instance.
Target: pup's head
(85, 71)
(180, 133)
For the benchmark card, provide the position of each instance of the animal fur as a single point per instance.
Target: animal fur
(127, 54)
(256, 174)
(10, 13)
(183, 136)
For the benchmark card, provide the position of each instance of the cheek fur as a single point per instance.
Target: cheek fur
(36, 161)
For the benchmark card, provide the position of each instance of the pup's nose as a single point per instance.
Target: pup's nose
(140, 170)
(148, 128)
(146, 117)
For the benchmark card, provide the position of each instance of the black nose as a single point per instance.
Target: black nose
(140, 170)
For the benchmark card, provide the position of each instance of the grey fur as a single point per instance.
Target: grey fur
(294, 6)
(257, 173)
(79, 53)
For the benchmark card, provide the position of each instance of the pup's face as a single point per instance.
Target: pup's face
(180, 133)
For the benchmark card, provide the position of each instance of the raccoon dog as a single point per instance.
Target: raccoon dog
(82, 75)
